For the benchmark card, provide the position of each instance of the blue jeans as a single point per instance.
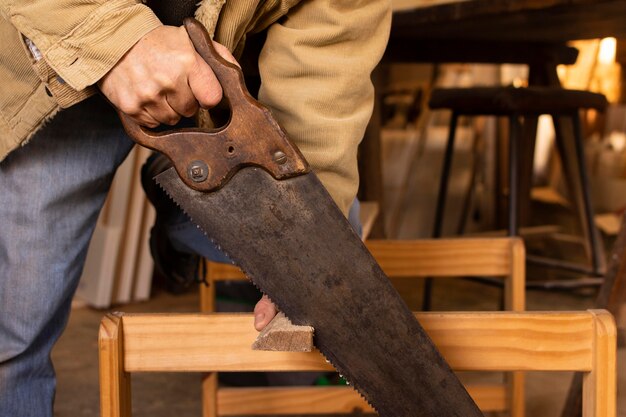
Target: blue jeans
(51, 192)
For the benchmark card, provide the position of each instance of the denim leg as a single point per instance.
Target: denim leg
(51, 191)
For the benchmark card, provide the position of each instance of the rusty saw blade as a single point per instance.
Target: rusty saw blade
(251, 191)
(296, 246)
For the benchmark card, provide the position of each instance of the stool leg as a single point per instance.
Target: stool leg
(514, 136)
(441, 202)
(595, 245)
(477, 151)
(526, 164)
(445, 177)
(570, 146)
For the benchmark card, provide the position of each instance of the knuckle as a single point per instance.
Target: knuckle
(129, 106)
(148, 93)
(187, 60)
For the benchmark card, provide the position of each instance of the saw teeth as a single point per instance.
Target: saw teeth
(355, 387)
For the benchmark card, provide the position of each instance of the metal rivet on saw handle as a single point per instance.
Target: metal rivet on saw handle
(198, 171)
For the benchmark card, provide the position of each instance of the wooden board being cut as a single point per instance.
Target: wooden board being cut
(282, 335)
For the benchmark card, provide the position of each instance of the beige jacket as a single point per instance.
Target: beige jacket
(315, 65)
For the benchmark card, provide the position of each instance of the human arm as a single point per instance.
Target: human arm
(80, 41)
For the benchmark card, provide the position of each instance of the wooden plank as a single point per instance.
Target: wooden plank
(222, 272)
(99, 281)
(130, 244)
(115, 397)
(515, 286)
(145, 264)
(495, 341)
(270, 401)
(324, 400)
(209, 395)
(599, 386)
(283, 336)
(420, 258)
(442, 257)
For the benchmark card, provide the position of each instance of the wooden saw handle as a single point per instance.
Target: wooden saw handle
(206, 159)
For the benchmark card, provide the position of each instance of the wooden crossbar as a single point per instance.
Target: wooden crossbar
(324, 400)
(494, 341)
(446, 257)
(413, 258)
(498, 341)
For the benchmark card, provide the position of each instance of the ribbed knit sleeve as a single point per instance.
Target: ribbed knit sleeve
(315, 71)
(80, 40)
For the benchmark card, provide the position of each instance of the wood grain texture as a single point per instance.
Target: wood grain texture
(572, 341)
(324, 400)
(209, 390)
(115, 397)
(600, 385)
(495, 341)
(515, 284)
(443, 257)
(281, 335)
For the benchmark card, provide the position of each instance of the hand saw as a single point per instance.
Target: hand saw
(252, 192)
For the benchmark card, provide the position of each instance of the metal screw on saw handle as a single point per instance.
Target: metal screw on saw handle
(198, 171)
(279, 157)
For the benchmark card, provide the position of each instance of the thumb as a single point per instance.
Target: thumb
(264, 312)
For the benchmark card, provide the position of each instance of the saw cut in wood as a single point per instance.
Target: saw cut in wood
(284, 336)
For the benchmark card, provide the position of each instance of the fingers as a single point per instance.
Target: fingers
(225, 53)
(162, 112)
(162, 78)
(183, 102)
(264, 312)
(203, 84)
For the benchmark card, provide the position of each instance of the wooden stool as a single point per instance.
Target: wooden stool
(517, 104)
(501, 258)
(499, 341)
